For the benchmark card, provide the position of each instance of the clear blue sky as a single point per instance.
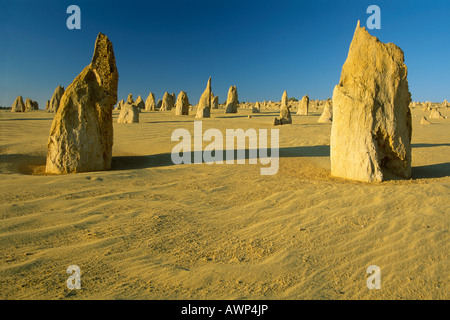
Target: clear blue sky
(262, 47)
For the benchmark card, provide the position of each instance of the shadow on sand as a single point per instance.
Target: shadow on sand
(35, 164)
(22, 163)
(439, 170)
(430, 145)
(21, 119)
(169, 121)
(165, 159)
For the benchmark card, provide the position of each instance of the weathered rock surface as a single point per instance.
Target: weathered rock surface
(256, 108)
(435, 114)
(174, 99)
(81, 136)
(232, 100)
(150, 102)
(204, 104)
(424, 121)
(119, 105)
(285, 113)
(31, 105)
(129, 113)
(167, 103)
(182, 106)
(284, 101)
(18, 105)
(56, 99)
(130, 99)
(140, 103)
(327, 114)
(371, 130)
(303, 107)
(214, 101)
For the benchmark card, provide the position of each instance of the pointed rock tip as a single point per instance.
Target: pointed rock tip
(358, 27)
(104, 45)
(101, 36)
(361, 30)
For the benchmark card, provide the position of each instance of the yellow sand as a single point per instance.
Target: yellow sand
(149, 229)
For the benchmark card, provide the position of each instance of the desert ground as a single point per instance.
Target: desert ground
(149, 229)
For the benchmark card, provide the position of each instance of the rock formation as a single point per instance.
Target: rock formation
(81, 136)
(18, 105)
(435, 114)
(182, 106)
(150, 102)
(173, 100)
(159, 104)
(232, 100)
(424, 121)
(47, 105)
(214, 101)
(129, 113)
(371, 130)
(285, 113)
(130, 99)
(31, 105)
(167, 102)
(256, 108)
(204, 104)
(284, 100)
(327, 114)
(303, 107)
(119, 105)
(35, 105)
(140, 103)
(55, 100)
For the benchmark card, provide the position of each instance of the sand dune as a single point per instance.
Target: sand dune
(149, 229)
